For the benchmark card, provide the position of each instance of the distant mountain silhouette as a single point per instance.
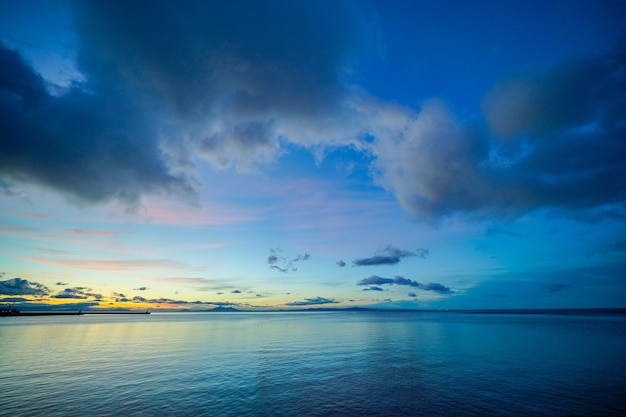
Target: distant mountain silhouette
(222, 309)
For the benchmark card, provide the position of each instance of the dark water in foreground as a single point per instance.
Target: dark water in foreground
(314, 364)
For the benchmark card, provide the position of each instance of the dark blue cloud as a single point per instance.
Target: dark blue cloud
(13, 299)
(87, 143)
(373, 288)
(19, 286)
(398, 280)
(79, 293)
(164, 84)
(389, 255)
(549, 139)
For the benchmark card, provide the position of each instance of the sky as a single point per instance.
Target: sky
(305, 154)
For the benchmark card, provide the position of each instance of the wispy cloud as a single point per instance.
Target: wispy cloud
(14, 229)
(390, 255)
(493, 231)
(557, 287)
(283, 264)
(53, 251)
(195, 283)
(85, 232)
(312, 301)
(109, 265)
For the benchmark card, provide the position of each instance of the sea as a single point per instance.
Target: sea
(329, 363)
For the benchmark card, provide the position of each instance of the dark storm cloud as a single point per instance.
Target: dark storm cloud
(165, 83)
(398, 280)
(389, 255)
(282, 263)
(554, 141)
(19, 286)
(312, 301)
(567, 127)
(85, 143)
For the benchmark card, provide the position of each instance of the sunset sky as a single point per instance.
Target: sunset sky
(296, 154)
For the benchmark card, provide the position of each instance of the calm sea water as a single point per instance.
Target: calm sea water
(314, 364)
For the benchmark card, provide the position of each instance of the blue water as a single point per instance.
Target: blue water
(314, 364)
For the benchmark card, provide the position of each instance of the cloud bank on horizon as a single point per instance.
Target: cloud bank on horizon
(164, 87)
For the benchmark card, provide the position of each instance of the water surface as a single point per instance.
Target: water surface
(314, 364)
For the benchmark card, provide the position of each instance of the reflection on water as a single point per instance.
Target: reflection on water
(348, 363)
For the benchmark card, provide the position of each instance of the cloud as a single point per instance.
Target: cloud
(61, 283)
(109, 265)
(148, 104)
(312, 301)
(557, 287)
(236, 292)
(90, 232)
(553, 141)
(341, 264)
(373, 289)
(13, 299)
(412, 294)
(19, 286)
(80, 293)
(398, 280)
(88, 143)
(389, 255)
(283, 264)
(140, 289)
(165, 85)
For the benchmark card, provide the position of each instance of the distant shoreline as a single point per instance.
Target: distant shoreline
(529, 311)
(64, 313)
